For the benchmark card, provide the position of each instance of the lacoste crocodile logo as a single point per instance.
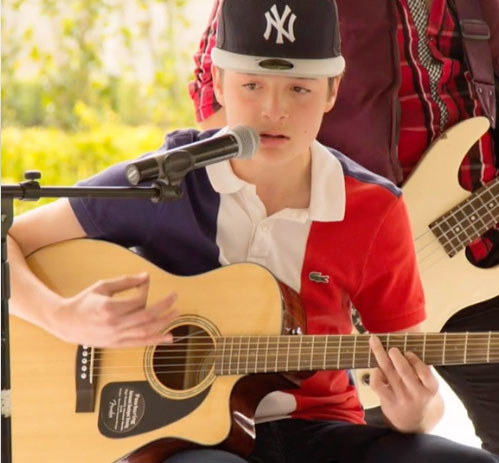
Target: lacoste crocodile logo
(318, 277)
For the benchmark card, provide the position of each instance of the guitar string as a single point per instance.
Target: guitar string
(348, 343)
(483, 205)
(434, 244)
(347, 339)
(300, 365)
(359, 355)
(488, 222)
(470, 232)
(434, 248)
(473, 352)
(430, 349)
(261, 362)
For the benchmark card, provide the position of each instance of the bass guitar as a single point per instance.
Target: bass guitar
(445, 218)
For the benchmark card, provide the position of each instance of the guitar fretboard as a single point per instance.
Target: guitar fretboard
(263, 354)
(469, 219)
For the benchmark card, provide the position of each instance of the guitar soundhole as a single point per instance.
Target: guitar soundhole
(187, 362)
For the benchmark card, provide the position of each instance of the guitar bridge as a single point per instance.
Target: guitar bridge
(85, 385)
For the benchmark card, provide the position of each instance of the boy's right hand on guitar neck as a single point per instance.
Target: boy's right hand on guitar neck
(94, 318)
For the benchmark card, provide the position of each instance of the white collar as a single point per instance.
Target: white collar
(327, 198)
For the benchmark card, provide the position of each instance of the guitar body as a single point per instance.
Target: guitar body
(122, 402)
(450, 284)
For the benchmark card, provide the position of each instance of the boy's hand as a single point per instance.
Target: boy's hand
(406, 387)
(93, 317)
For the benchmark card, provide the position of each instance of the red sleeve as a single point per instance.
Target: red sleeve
(201, 88)
(390, 297)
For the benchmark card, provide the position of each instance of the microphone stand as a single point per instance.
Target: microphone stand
(165, 188)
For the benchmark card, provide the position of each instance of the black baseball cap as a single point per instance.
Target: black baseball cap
(291, 37)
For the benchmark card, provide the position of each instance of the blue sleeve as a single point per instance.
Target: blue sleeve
(127, 222)
(178, 236)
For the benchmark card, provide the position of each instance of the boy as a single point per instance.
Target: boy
(297, 208)
(402, 102)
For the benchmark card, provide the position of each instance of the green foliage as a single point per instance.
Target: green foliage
(64, 158)
(70, 107)
(45, 75)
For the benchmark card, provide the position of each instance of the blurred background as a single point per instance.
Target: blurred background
(89, 83)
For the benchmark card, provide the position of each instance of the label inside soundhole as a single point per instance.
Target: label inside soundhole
(123, 409)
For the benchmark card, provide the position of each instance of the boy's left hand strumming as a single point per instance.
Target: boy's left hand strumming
(407, 389)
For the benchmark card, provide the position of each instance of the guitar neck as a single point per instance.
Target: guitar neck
(469, 219)
(236, 355)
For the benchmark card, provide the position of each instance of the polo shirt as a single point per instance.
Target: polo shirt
(355, 234)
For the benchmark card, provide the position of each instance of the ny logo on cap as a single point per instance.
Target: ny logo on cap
(278, 23)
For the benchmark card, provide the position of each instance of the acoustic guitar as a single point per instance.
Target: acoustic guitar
(238, 328)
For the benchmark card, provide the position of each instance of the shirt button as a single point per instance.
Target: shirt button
(264, 227)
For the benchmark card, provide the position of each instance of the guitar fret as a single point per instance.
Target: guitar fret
(424, 347)
(247, 356)
(455, 230)
(256, 354)
(463, 223)
(312, 353)
(287, 356)
(465, 348)
(239, 354)
(325, 350)
(339, 352)
(443, 232)
(230, 356)
(223, 356)
(486, 211)
(488, 347)
(266, 355)
(490, 202)
(299, 353)
(473, 218)
(276, 353)
(480, 225)
(443, 350)
(369, 356)
(354, 349)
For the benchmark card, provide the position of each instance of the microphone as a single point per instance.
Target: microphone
(239, 142)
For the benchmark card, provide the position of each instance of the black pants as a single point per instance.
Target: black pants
(300, 441)
(476, 385)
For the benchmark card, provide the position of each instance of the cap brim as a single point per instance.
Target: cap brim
(328, 67)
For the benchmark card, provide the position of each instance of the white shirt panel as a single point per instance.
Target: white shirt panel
(278, 242)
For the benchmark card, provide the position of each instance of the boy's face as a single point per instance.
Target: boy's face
(285, 111)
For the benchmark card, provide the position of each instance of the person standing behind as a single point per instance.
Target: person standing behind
(408, 79)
